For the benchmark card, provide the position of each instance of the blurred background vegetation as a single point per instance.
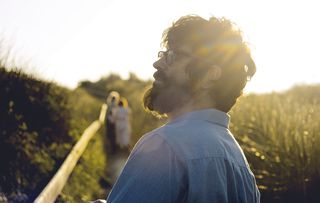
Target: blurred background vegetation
(280, 135)
(40, 121)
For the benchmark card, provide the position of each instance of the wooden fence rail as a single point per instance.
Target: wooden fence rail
(56, 184)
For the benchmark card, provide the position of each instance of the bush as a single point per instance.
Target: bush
(34, 125)
(39, 124)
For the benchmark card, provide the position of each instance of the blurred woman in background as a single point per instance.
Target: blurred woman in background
(123, 126)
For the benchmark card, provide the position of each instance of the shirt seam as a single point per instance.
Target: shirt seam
(213, 157)
(182, 160)
(171, 148)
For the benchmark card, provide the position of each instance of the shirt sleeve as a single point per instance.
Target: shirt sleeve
(153, 173)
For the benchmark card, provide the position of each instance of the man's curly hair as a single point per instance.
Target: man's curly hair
(216, 41)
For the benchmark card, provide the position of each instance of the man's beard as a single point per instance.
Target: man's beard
(165, 98)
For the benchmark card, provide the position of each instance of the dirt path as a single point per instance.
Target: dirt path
(116, 163)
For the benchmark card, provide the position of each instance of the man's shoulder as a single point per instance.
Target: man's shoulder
(190, 129)
(153, 133)
(183, 130)
(150, 137)
(178, 135)
(194, 139)
(167, 135)
(168, 132)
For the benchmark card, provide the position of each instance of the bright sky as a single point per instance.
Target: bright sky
(69, 41)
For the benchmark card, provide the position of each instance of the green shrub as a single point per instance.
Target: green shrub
(39, 124)
(34, 115)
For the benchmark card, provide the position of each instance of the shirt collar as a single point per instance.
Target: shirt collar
(210, 115)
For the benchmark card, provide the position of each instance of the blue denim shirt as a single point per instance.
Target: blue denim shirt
(193, 158)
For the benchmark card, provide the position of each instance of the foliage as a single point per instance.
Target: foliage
(39, 123)
(87, 181)
(279, 133)
(33, 127)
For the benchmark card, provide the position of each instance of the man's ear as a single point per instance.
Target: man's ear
(213, 74)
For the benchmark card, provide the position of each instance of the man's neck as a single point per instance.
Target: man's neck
(190, 106)
(180, 111)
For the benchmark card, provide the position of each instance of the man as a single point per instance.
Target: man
(194, 157)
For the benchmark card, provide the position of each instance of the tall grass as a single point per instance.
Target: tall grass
(280, 135)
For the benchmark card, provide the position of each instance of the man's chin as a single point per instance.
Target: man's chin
(157, 84)
(164, 99)
(153, 103)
